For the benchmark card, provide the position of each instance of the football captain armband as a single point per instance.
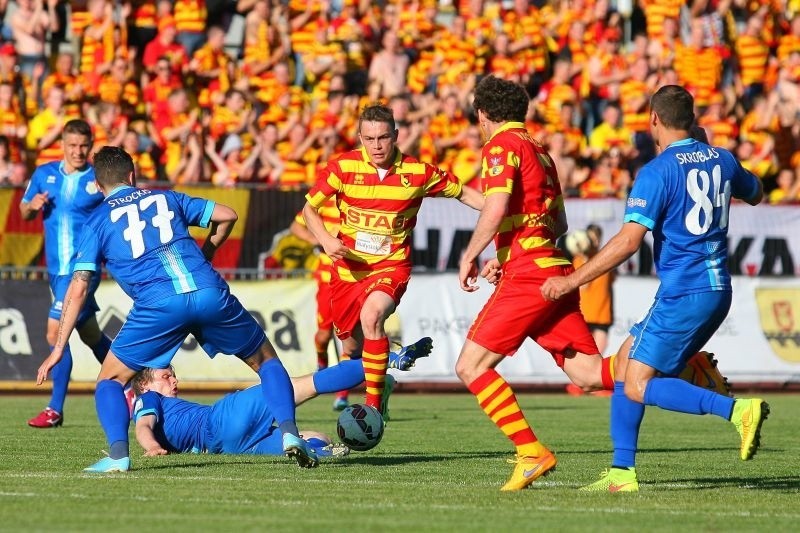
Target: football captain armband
(369, 243)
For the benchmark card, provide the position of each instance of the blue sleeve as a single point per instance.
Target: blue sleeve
(148, 403)
(196, 210)
(89, 254)
(744, 184)
(647, 198)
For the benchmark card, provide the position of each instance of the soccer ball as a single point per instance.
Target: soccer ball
(360, 427)
(577, 242)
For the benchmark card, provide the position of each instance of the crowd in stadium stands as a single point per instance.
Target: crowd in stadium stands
(164, 80)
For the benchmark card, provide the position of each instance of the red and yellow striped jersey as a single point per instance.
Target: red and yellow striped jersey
(635, 117)
(211, 89)
(190, 15)
(116, 92)
(788, 44)
(515, 164)
(723, 131)
(95, 52)
(11, 122)
(377, 216)
(656, 11)
(144, 13)
(753, 54)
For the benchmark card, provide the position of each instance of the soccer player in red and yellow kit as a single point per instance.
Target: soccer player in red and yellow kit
(524, 214)
(378, 191)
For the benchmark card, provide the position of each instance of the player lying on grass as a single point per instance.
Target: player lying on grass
(241, 422)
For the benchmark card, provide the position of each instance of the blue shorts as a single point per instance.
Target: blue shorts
(241, 423)
(58, 289)
(153, 334)
(674, 329)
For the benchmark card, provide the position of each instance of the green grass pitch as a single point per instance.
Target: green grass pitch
(439, 468)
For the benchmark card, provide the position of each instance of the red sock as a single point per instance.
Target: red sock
(375, 357)
(500, 404)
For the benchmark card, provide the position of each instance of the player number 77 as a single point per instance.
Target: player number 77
(133, 233)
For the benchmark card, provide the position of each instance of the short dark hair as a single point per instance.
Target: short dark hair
(377, 113)
(112, 166)
(674, 106)
(81, 127)
(501, 100)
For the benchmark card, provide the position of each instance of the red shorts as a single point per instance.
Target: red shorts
(324, 299)
(516, 310)
(348, 296)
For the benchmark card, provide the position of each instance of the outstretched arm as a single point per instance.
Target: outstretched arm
(73, 303)
(146, 436)
(472, 197)
(623, 245)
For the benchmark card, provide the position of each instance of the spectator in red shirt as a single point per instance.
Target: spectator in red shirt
(164, 45)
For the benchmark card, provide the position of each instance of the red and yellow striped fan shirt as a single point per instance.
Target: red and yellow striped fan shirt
(11, 122)
(636, 119)
(753, 54)
(656, 11)
(377, 216)
(786, 45)
(190, 15)
(723, 131)
(515, 164)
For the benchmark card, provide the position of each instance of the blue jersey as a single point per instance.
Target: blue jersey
(71, 199)
(143, 237)
(239, 422)
(683, 196)
(180, 425)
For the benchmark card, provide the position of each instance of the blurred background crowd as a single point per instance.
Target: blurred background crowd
(262, 92)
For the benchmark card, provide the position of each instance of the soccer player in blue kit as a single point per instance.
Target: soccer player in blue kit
(65, 193)
(240, 422)
(683, 196)
(143, 238)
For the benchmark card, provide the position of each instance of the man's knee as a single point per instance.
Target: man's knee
(634, 390)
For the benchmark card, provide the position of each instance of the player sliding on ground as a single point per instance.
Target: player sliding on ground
(240, 422)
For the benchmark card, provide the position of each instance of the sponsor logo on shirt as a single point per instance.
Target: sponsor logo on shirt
(375, 221)
(637, 202)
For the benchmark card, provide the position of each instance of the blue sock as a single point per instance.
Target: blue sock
(315, 443)
(114, 416)
(278, 394)
(626, 417)
(60, 376)
(674, 394)
(101, 348)
(343, 376)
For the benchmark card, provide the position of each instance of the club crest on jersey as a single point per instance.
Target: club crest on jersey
(91, 187)
(405, 181)
(51, 179)
(358, 180)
